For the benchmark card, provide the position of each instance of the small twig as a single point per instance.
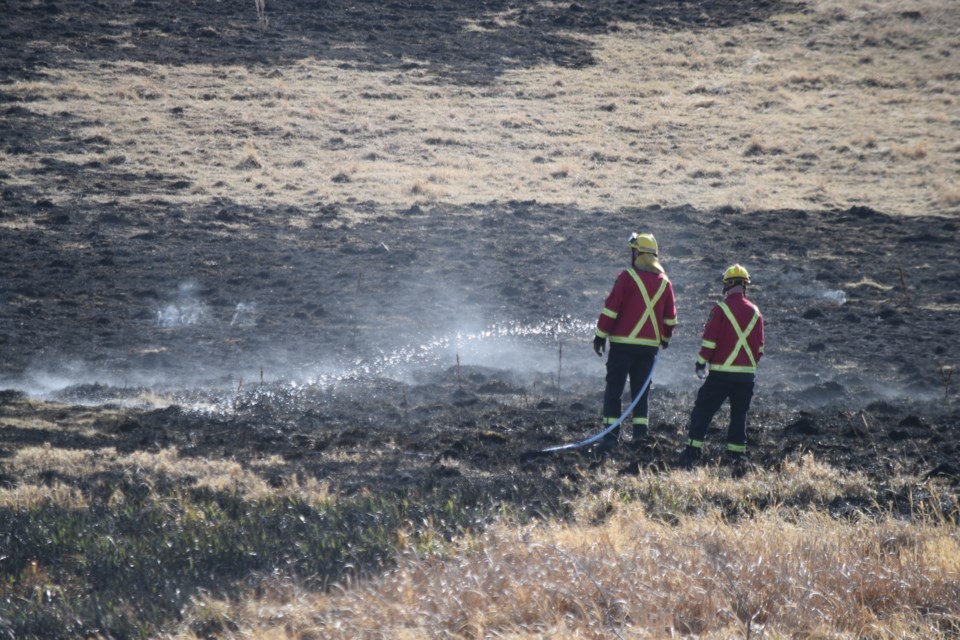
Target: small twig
(262, 13)
(459, 402)
(261, 376)
(459, 378)
(559, 367)
(903, 283)
(404, 404)
(236, 400)
(946, 378)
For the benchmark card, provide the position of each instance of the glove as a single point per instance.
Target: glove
(664, 344)
(599, 345)
(701, 371)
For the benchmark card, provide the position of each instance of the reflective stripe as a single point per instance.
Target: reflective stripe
(601, 334)
(742, 335)
(724, 369)
(641, 421)
(647, 313)
(670, 322)
(708, 344)
(696, 444)
(609, 313)
(736, 448)
(649, 342)
(609, 420)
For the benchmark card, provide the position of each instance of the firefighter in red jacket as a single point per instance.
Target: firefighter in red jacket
(731, 347)
(638, 318)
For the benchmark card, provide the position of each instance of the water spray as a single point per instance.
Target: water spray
(460, 343)
(592, 439)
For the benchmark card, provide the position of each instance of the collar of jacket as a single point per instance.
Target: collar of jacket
(647, 262)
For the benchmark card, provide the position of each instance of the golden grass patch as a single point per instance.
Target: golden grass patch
(777, 98)
(34, 465)
(778, 574)
(57, 494)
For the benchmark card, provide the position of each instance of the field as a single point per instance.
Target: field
(296, 295)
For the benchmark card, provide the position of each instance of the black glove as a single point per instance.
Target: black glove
(664, 344)
(701, 370)
(599, 345)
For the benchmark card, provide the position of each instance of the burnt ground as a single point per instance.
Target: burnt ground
(353, 330)
(365, 34)
(338, 340)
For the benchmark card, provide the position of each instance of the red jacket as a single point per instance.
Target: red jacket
(723, 343)
(639, 310)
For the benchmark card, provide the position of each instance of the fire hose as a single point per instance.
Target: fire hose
(592, 439)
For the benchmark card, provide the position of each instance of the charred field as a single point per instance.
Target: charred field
(284, 297)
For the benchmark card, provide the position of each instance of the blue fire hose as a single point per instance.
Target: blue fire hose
(592, 439)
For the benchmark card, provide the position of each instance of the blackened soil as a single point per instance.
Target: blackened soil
(861, 312)
(364, 34)
(113, 300)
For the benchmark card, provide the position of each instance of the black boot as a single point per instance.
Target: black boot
(734, 457)
(640, 436)
(737, 461)
(606, 445)
(690, 457)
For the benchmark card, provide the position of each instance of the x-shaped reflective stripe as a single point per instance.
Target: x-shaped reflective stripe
(648, 313)
(741, 336)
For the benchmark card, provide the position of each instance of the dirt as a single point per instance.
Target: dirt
(857, 384)
(367, 35)
(355, 351)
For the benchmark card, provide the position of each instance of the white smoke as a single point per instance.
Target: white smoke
(186, 311)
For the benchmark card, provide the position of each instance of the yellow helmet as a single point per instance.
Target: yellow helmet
(644, 243)
(736, 275)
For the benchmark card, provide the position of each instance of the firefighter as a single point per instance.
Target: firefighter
(638, 318)
(732, 345)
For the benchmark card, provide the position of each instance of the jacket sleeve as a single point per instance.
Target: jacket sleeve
(758, 331)
(669, 313)
(711, 330)
(611, 309)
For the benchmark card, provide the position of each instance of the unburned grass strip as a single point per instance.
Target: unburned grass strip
(124, 568)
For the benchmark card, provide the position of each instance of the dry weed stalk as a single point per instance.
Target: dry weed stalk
(262, 13)
(459, 377)
(236, 398)
(903, 283)
(559, 367)
(946, 379)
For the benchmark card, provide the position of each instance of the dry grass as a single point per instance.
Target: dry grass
(689, 552)
(32, 465)
(848, 104)
(635, 574)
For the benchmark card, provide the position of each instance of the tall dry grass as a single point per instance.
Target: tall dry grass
(623, 569)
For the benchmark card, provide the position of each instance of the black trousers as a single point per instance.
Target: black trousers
(720, 386)
(634, 361)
